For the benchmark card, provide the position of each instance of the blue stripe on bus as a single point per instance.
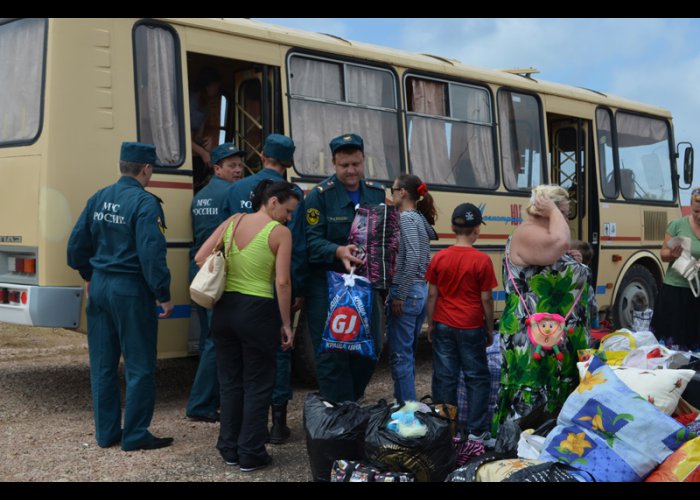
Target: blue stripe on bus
(179, 312)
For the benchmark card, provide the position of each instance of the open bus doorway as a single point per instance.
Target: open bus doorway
(236, 112)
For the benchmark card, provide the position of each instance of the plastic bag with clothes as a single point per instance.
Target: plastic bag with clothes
(333, 432)
(430, 458)
(347, 327)
(375, 231)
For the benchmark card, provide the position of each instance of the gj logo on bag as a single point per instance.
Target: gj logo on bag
(345, 324)
(350, 307)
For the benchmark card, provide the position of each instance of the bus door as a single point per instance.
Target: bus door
(258, 110)
(571, 151)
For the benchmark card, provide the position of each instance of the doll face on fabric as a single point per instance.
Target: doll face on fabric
(545, 329)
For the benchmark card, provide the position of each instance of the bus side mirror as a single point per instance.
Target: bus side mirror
(688, 160)
(688, 166)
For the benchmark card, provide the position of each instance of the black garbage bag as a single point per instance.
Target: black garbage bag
(430, 458)
(509, 431)
(333, 432)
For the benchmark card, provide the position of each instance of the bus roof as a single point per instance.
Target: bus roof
(426, 62)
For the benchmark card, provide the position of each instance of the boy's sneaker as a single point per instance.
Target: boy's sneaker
(256, 465)
(484, 438)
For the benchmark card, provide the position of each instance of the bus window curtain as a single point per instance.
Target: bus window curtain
(158, 117)
(428, 138)
(509, 153)
(474, 143)
(21, 55)
(314, 124)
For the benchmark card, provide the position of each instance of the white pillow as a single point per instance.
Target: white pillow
(662, 388)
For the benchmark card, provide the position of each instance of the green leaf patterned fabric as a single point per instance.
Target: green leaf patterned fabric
(525, 382)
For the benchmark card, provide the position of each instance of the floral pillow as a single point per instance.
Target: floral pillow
(662, 388)
(611, 432)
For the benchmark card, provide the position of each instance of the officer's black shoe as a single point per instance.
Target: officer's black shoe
(156, 443)
(211, 418)
(251, 466)
(279, 432)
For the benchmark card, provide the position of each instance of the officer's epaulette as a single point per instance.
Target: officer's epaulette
(374, 185)
(160, 200)
(325, 186)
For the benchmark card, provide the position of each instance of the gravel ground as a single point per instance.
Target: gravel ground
(47, 431)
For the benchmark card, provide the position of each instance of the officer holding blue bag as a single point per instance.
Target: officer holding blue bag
(209, 209)
(278, 156)
(330, 210)
(118, 246)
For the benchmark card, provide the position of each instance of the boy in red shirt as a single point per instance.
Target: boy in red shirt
(460, 320)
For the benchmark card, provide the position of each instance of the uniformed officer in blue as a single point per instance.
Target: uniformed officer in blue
(278, 156)
(118, 246)
(330, 209)
(209, 209)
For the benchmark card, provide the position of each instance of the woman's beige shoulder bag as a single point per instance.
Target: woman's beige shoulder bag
(208, 285)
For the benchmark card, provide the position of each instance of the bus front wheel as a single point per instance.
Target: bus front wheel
(638, 280)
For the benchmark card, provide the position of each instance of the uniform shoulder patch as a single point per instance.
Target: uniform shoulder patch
(374, 185)
(325, 186)
(160, 200)
(312, 216)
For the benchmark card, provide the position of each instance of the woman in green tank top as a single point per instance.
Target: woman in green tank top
(249, 323)
(676, 320)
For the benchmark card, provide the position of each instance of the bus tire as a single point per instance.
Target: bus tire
(638, 279)
(303, 358)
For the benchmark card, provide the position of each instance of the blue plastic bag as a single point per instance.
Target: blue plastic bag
(350, 309)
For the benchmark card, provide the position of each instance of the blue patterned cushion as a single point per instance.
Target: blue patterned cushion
(611, 432)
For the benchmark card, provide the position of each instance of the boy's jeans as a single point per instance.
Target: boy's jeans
(466, 349)
(402, 334)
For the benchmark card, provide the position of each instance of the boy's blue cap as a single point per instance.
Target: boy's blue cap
(223, 151)
(138, 152)
(280, 147)
(347, 141)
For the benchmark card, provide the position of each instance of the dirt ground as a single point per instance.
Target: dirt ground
(47, 431)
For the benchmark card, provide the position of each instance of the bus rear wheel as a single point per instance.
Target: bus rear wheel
(638, 280)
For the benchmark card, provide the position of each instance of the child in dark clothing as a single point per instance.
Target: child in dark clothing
(586, 250)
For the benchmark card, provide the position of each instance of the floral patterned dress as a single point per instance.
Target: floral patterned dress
(527, 383)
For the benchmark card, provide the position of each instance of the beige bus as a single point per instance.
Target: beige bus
(71, 90)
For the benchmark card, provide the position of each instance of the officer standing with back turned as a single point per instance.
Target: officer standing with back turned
(330, 210)
(118, 246)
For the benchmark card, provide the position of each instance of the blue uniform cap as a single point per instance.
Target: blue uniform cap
(280, 147)
(225, 150)
(347, 141)
(138, 152)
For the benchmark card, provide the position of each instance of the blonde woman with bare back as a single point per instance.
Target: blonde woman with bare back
(540, 276)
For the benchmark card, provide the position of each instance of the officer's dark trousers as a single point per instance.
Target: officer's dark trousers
(341, 376)
(246, 333)
(204, 395)
(121, 315)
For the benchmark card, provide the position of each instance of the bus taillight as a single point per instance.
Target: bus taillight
(13, 296)
(23, 298)
(2, 295)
